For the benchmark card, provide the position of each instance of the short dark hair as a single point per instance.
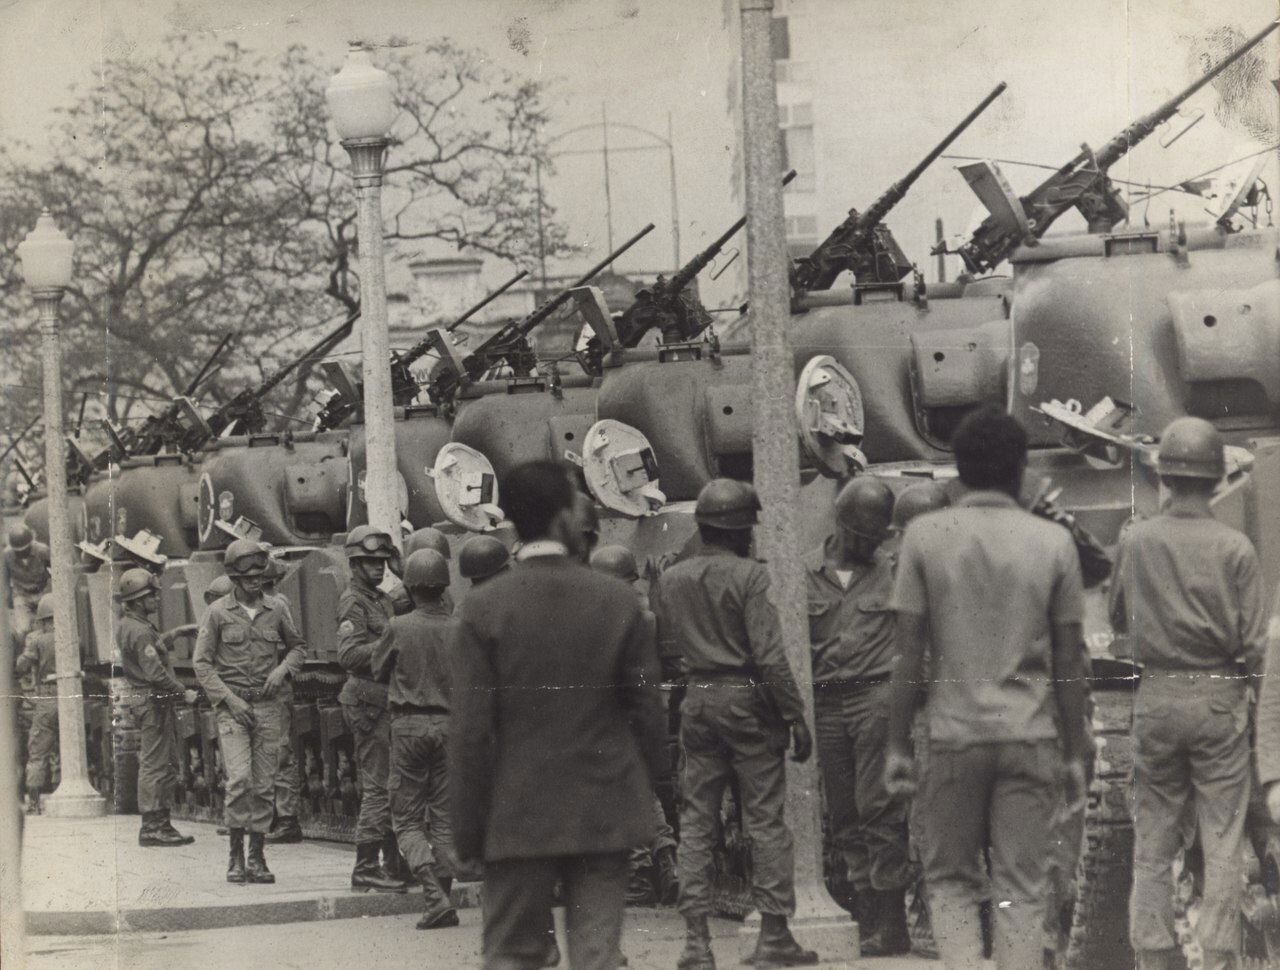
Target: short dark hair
(533, 494)
(738, 540)
(991, 450)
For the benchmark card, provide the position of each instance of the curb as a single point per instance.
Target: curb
(180, 918)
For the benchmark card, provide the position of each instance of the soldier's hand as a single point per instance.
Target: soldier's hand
(190, 696)
(900, 774)
(275, 680)
(801, 742)
(1074, 787)
(1273, 801)
(241, 710)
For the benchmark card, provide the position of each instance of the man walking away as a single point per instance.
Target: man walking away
(556, 738)
(38, 661)
(152, 690)
(740, 712)
(851, 632)
(414, 663)
(1188, 591)
(995, 594)
(238, 663)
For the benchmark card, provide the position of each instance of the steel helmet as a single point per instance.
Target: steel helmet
(134, 584)
(917, 500)
(44, 608)
(220, 587)
(427, 538)
(727, 503)
(1191, 448)
(616, 561)
(865, 508)
(482, 557)
(244, 557)
(20, 536)
(425, 567)
(366, 542)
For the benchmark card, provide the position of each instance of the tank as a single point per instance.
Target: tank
(159, 493)
(420, 432)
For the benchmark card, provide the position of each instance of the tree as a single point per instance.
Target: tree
(206, 196)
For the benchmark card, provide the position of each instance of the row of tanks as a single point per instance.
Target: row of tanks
(1094, 340)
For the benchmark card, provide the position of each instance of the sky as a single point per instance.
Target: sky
(890, 79)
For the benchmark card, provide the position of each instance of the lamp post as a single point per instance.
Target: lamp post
(46, 256)
(362, 102)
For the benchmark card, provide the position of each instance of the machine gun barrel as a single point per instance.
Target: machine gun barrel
(208, 364)
(315, 351)
(13, 445)
(425, 345)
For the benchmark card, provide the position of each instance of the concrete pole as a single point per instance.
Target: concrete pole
(776, 457)
(12, 915)
(75, 797)
(381, 477)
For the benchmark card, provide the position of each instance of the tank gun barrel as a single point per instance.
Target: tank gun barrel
(208, 364)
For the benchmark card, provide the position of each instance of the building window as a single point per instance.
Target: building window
(780, 39)
(798, 153)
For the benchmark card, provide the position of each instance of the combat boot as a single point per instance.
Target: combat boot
(156, 831)
(369, 875)
(438, 911)
(257, 871)
(668, 876)
(696, 954)
(235, 865)
(890, 937)
(166, 826)
(776, 947)
(286, 830)
(394, 865)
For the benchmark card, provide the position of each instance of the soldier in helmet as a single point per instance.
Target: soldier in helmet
(851, 634)
(483, 557)
(427, 538)
(27, 561)
(414, 663)
(246, 649)
(1187, 589)
(220, 587)
(284, 827)
(364, 625)
(38, 662)
(740, 713)
(151, 690)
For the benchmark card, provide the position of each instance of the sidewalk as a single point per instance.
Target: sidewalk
(90, 876)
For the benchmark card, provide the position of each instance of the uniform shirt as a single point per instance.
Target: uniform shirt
(1188, 591)
(234, 650)
(851, 630)
(145, 660)
(38, 658)
(991, 579)
(414, 661)
(714, 610)
(364, 628)
(30, 574)
(1267, 748)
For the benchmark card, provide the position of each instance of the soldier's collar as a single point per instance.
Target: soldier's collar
(541, 549)
(989, 498)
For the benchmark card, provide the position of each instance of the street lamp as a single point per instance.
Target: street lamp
(362, 102)
(46, 256)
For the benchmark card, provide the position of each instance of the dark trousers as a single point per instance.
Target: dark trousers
(868, 825)
(157, 754)
(517, 910)
(371, 727)
(420, 792)
(999, 796)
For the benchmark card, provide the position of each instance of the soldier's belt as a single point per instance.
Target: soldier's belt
(730, 678)
(407, 710)
(250, 694)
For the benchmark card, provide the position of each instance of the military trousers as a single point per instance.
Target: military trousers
(727, 731)
(42, 741)
(23, 614)
(1191, 754)
(1001, 797)
(371, 729)
(157, 753)
(419, 786)
(664, 837)
(868, 825)
(287, 782)
(249, 756)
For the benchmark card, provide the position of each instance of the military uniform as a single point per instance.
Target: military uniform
(234, 653)
(735, 720)
(152, 691)
(364, 629)
(851, 634)
(38, 662)
(288, 783)
(28, 581)
(1187, 589)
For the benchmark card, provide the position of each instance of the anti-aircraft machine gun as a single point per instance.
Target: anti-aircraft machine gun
(347, 400)
(1081, 184)
(862, 243)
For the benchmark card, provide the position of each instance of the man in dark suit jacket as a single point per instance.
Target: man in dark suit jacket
(557, 734)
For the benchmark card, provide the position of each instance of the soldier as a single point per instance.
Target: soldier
(741, 712)
(284, 827)
(38, 662)
(427, 538)
(850, 579)
(28, 565)
(414, 662)
(995, 594)
(220, 587)
(483, 557)
(660, 852)
(364, 625)
(1188, 592)
(238, 663)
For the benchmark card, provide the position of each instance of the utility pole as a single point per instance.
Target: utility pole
(819, 922)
